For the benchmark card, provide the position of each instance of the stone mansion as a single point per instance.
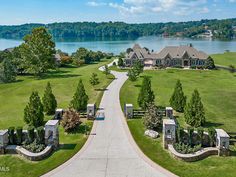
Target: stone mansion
(170, 56)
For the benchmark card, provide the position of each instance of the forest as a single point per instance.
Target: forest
(221, 29)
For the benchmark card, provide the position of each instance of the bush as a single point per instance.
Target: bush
(212, 136)
(40, 133)
(200, 132)
(152, 118)
(30, 134)
(19, 135)
(70, 120)
(180, 134)
(34, 146)
(190, 135)
(186, 149)
(11, 134)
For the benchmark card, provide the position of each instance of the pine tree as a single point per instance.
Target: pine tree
(94, 79)
(146, 94)
(178, 100)
(106, 70)
(194, 111)
(138, 67)
(49, 100)
(132, 75)
(33, 113)
(7, 71)
(210, 64)
(120, 62)
(80, 98)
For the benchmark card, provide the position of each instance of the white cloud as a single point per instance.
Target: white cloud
(95, 4)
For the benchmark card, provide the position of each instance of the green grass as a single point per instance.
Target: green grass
(217, 89)
(226, 59)
(210, 167)
(115, 68)
(14, 98)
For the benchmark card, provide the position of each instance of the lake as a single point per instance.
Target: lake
(152, 42)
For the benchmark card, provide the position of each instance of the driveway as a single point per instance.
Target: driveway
(110, 151)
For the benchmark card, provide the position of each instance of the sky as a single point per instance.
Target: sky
(14, 12)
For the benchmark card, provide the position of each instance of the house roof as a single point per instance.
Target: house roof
(138, 52)
(180, 51)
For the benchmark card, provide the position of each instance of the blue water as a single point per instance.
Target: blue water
(116, 46)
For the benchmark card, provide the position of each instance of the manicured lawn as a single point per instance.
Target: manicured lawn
(226, 59)
(217, 89)
(15, 96)
(115, 68)
(210, 167)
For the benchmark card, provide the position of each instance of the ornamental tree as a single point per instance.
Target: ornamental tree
(106, 70)
(210, 64)
(120, 62)
(33, 112)
(152, 118)
(49, 100)
(132, 75)
(94, 79)
(70, 120)
(178, 99)
(7, 71)
(194, 111)
(138, 67)
(80, 98)
(146, 94)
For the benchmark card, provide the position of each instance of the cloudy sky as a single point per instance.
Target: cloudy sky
(131, 11)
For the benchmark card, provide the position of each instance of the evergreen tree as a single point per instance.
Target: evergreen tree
(106, 70)
(178, 100)
(49, 100)
(80, 98)
(152, 119)
(146, 94)
(33, 113)
(210, 64)
(138, 67)
(94, 79)
(194, 111)
(132, 75)
(120, 62)
(7, 71)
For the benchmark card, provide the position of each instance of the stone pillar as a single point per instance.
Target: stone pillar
(169, 112)
(222, 142)
(52, 133)
(91, 109)
(59, 114)
(169, 132)
(3, 140)
(129, 110)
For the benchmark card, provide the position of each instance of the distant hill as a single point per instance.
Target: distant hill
(223, 29)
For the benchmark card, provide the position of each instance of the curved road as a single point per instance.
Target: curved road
(110, 151)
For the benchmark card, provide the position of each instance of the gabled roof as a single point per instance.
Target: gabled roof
(180, 51)
(140, 53)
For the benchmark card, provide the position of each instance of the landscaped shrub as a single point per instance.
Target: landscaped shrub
(152, 118)
(34, 146)
(212, 136)
(186, 149)
(49, 100)
(11, 134)
(40, 133)
(30, 134)
(180, 134)
(190, 135)
(200, 132)
(70, 120)
(19, 135)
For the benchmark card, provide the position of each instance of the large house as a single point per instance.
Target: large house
(171, 56)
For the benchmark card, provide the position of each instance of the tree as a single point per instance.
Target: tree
(38, 51)
(232, 68)
(94, 79)
(178, 99)
(106, 70)
(7, 71)
(152, 118)
(146, 94)
(33, 112)
(80, 98)
(138, 67)
(70, 120)
(210, 64)
(49, 100)
(132, 75)
(194, 111)
(212, 134)
(120, 62)
(81, 56)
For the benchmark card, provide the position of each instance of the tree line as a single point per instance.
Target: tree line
(222, 28)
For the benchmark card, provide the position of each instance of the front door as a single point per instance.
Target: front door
(186, 63)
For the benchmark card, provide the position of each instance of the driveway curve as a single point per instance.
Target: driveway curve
(110, 150)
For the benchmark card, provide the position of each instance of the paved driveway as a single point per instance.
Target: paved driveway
(110, 151)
